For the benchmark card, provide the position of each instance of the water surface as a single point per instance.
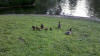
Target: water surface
(76, 8)
(81, 8)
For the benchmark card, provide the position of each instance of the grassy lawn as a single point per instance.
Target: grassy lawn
(18, 39)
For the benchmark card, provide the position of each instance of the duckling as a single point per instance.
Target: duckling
(50, 29)
(46, 29)
(37, 28)
(42, 26)
(59, 25)
(69, 32)
(33, 27)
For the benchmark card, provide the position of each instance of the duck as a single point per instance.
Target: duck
(69, 32)
(42, 26)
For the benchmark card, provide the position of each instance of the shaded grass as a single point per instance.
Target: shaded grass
(18, 39)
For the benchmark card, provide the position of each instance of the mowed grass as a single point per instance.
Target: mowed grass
(18, 39)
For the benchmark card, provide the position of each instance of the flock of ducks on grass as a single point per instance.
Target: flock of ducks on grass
(68, 32)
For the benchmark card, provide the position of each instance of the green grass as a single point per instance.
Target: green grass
(84, 41)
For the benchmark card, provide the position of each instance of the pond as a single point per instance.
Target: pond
(82, 8)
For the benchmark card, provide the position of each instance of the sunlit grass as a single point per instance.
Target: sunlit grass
(84, 41)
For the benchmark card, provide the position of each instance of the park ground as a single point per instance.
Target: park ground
(18, 39)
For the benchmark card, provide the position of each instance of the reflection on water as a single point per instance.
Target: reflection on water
(79, 8)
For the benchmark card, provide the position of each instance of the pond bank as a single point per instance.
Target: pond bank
(61, 16)
(71, 17)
